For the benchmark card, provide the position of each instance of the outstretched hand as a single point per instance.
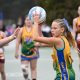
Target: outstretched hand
(16, 32)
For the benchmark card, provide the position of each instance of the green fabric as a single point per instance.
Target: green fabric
(27, 48)
(71, 72)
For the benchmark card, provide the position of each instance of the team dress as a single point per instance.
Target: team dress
(62, 62)
(29, 51)
(2, 59)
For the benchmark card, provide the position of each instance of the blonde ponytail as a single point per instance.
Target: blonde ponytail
(67, 33)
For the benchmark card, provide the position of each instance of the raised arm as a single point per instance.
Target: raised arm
(35, 26)
(10, 38)
(36, 36)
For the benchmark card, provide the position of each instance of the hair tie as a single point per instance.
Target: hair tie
(67, 25)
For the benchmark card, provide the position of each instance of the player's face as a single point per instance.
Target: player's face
(79, 10)
(56, 29)
(28, 22)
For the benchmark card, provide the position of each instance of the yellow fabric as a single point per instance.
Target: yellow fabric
(66, 51)
(25, 33)
(64, 67)
(27, 37)
(78, 21)
(1, 37)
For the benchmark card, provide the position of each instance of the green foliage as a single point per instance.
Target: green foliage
(27, 48)
(60, 9)
(55, 8)
(13, 9)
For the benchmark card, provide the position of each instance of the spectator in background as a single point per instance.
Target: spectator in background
(10, 29)
(20, 22)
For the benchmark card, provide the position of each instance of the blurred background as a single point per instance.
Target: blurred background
(13, 9)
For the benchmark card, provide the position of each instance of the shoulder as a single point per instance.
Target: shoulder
(60, 42)
(21, 29)
(75, 20)
(56, 40)
(20, 32)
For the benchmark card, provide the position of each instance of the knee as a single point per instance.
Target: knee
(24, 67)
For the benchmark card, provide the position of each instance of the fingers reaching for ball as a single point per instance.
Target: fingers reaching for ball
(37, 10)
(36, 17)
